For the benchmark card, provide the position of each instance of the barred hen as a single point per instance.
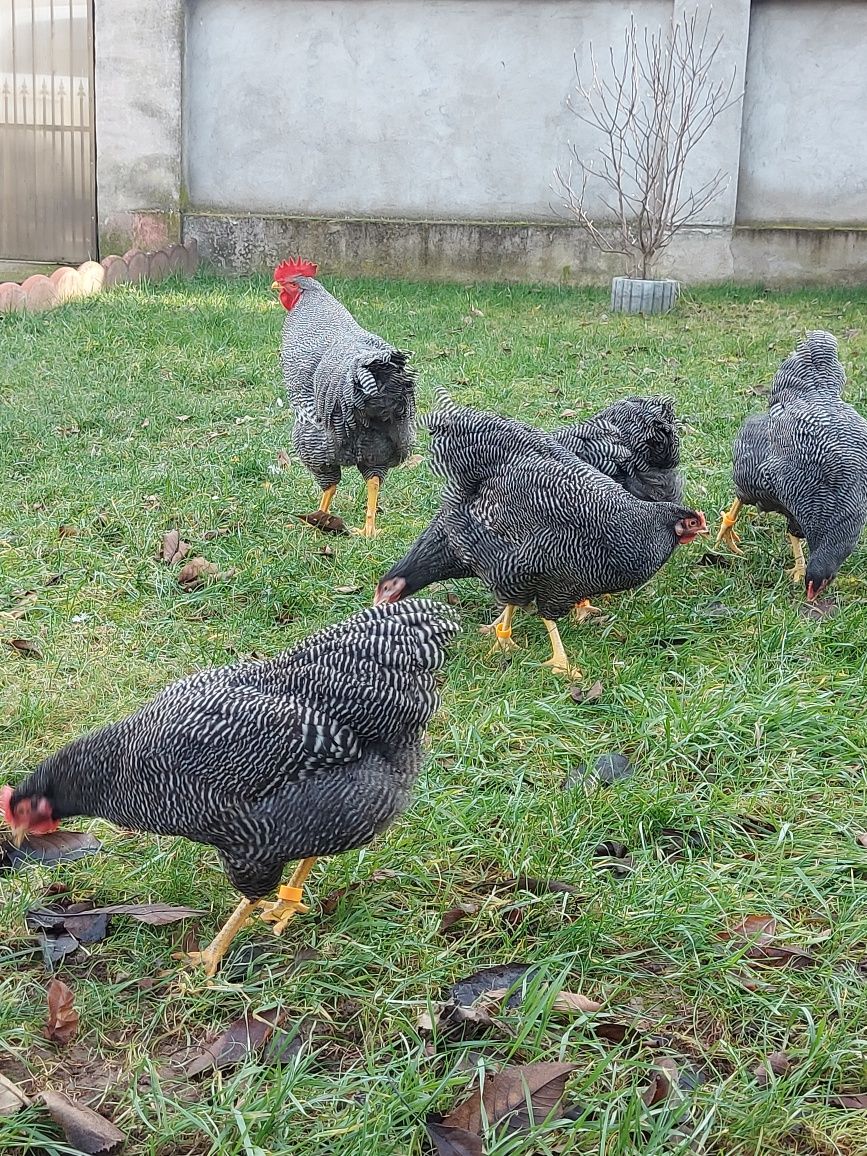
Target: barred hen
(310, 753)
(633, 441)
(806, 459)
(352, 393)
(534, 523)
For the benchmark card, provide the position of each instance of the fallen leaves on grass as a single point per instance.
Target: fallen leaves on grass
(326, 523)
(756, 933)
(820, 609)
(57, 847)
(512, 1100)
(67, 531)
(665, 1077)
(284, 461)
(565, 1002)
(412, 461)
(723, 561)
(607, 769)
(592, 693)
(500, 979)
(62, 1023)
(62, 930)
(851, 1101)
(347, 589)
(85, 1129)
(454, 1141)
(174, 549)
(776, 1064)
(24, 647)
(613, 857)
(196, 572)
(246, 1036)
(861, 838)
(22, 607)
(12, 1099)
(457, 914)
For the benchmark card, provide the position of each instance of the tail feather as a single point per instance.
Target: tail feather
(813, 365)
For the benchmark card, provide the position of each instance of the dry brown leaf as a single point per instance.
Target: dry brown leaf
(776, 1064)
(579, 693)
(62, 1022)
(852, 1101)
(861, 838)
(665, 1078)
(453, 1141)
(327, 523)
(412, 461)
(456, 914)
(12, 1099)
(565, 1001)
(758, 929)
(195, 572)
(85, 1129)
(284, 462)
(22, 607)
(24, 647)
(67, 531)
(174, 548)
(245, 1036)
(347, 589)
(516, 1098)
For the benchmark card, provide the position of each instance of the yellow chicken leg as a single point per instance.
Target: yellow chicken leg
(369, 529)
(502, 629)
(584, 610)
(558, 661)
(325, 500)
(799, 570)
(727, 529)
(211, 956)
(288, 902)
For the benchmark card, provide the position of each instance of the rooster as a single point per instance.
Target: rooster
(806, 459)
(352, 393)
(310, 753)
(533, 523)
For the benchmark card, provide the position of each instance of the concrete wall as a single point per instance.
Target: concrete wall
(804, 149)
(138, 73)
(419, 137)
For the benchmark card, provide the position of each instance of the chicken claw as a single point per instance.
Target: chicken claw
(727, 531)
(584, 610)
(559, 661)
(211, 956)
(288, 902)
(799, 571)
(502, 630)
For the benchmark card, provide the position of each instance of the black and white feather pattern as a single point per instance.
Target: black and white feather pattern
(806, 458)
(352, 394)
(529, 519)
(309, 753)
(635, 442)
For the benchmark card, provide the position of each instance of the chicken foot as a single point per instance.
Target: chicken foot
(280, 911)
(326, 499)
(502, 630)
(799, 570)
(584, 610)
(288, 902)
(369, 529)
(727, 529)
(559, 661)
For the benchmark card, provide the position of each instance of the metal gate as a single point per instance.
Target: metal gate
(47, 162)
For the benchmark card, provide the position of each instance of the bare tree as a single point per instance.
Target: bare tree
(651, 111)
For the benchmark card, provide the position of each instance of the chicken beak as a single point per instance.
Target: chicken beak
(19, 834)
(276, 286)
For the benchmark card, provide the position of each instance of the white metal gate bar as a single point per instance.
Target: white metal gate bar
(47, 188)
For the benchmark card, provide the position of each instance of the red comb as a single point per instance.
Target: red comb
(294, 267)
(6, 804)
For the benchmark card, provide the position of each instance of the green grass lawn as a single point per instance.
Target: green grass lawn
(150, 409)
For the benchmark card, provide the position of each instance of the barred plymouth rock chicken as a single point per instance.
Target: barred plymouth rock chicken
(806, 459)
(633, 441)
(533, 522)
(310, 753)
(352, 393)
